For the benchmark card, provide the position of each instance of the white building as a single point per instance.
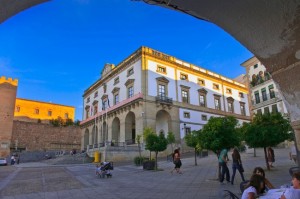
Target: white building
(152, 89)
(264, 95)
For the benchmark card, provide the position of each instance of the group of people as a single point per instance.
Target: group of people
(236, 165)
(259, 183)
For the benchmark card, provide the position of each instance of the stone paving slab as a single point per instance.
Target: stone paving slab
(129, 181)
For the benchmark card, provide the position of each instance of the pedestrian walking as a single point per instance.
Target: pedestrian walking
(177, 161)
(271, 156)
(293, 153)
(237, 165)
(223, 159)
(12, 160)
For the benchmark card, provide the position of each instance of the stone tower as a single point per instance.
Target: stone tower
(8, 92)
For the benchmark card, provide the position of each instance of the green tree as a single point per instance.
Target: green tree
(147, 131)
(220, 133)
(156, 143)
(267, 130)
(171, 139)
(193, 140)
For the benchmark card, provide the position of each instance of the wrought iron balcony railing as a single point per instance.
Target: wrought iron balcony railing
(164, 99)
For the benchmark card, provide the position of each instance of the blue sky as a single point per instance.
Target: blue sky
(57, 49)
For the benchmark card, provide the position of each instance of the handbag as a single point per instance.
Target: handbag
(241, 168)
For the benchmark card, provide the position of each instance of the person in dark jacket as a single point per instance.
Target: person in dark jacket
(237, 165)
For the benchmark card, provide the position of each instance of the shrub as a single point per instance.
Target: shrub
(139, 160)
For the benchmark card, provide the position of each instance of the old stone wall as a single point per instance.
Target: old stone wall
(8, 90)
(41, 137)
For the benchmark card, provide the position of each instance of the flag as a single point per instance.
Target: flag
(103, 105)
(91, 111)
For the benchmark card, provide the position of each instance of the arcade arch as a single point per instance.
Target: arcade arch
(130, 133)
(163, 122)
(115, 134)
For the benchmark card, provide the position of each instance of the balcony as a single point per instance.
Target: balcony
(260, 80)
(164, 100)
(267, 100)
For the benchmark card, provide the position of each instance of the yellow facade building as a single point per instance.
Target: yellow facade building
(32, 109)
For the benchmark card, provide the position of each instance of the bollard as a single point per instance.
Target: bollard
(96, 156)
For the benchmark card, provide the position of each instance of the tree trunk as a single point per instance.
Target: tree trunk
(266, 158)
(219, 168)
(140, 151)
(156, 152)
(195, 157)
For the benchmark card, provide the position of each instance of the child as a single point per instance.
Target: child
(255, 186)
(97, 169)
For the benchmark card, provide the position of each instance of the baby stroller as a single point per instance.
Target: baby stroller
(105, 169)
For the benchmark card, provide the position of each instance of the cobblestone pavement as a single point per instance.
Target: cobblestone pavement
(41, 181)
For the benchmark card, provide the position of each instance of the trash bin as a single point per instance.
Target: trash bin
(96, 156)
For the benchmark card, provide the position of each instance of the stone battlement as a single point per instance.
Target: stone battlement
(9, 80)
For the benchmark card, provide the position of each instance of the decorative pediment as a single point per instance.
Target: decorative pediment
(104, 96)
(116, 89)
(95, 102)
(230, 99)
(107, 69)
(129, 81)
(202, 90)
(217, 96)
(87, 107)
(185, 87)
(162, 79)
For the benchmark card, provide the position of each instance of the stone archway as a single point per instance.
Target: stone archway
(86, 139)
(130, 133)
(115, 134)
(163, 122)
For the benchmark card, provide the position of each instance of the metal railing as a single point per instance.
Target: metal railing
(266, 98)
(164, 99)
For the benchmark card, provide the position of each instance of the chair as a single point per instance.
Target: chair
(228, 195)
(293, 170)
(243, 185)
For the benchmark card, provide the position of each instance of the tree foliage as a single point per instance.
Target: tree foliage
(59, 122)
(267, 130)
(156, 143)
(220, 133)
(171, 139)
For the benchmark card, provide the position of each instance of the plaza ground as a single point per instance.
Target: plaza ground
(42, 181)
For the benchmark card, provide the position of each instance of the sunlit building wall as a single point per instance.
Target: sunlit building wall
(153, 89)
(32, 109)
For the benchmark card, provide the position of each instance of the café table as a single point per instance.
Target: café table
(273, 194)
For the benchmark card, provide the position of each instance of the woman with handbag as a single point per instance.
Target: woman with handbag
(177, 161)
(237, 165)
